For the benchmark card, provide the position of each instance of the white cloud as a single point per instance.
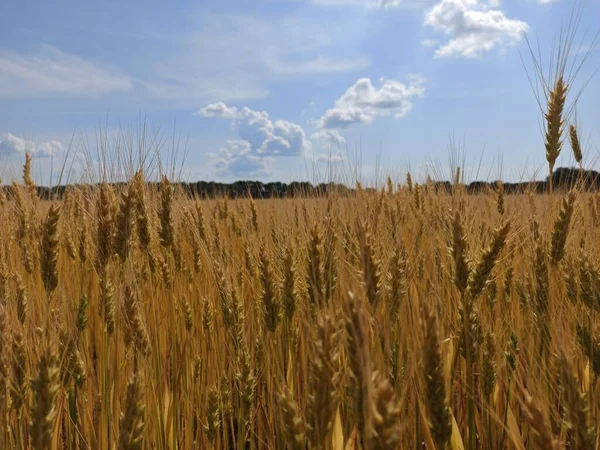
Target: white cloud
(286, 138)
(236, 158)
(329, 158)
(219, 110)
(11, 145)
(234, 58)
(220, 57)
(260, 139)
(49, 148)
(53, 72)
(265, 137)
(429, 43)
(185, 90)
(473, 27)
(311, 108)
(318, 65)
(368, 3)
(363, 102)
(330, 137)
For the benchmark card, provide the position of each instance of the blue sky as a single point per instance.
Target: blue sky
(288, 89)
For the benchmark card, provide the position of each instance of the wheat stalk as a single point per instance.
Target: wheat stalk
(131, 425)
(43, 410)
(49, 249)
(554, 124)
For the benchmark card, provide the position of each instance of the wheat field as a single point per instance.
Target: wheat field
(134, 316)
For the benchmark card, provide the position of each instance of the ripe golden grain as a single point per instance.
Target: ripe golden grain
(219, 304)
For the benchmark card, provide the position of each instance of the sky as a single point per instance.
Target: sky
(291, 89)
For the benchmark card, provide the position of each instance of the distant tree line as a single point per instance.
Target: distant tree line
(563, 178)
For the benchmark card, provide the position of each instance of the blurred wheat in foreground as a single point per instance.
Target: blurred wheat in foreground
(133, 316)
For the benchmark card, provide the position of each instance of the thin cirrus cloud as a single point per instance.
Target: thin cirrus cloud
(315, 66)
(11, 145)
(54, 72)
(236, 57)
(245, 82)
(473, 27)
(185, 90)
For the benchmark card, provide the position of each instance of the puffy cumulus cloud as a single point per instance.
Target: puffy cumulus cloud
(266, 138)
(49, 148)
(236, 158)
(287, 138)
(329, 158)
(363, 102)
(250, 165)
(260, 141)
(331, 137)
(473, 27)
(219, 110)
(12, 145)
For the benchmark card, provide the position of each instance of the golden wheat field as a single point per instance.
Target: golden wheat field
(136, 317)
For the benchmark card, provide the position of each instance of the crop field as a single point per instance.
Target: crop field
(417, 315)
(136, 317)
(230, 225)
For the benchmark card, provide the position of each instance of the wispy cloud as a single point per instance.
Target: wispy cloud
(226, 57)
(374, 4)
(187, 90)
(235, 58)
(315, 66)
(52, 72)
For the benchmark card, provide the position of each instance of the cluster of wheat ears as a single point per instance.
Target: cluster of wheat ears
(133, 316)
